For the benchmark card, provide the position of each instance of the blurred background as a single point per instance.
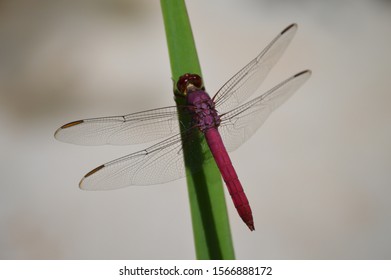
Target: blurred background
(317, 173)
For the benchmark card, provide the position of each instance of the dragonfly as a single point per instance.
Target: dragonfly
(225, 122)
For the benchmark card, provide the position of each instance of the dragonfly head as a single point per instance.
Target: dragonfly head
(189, 82)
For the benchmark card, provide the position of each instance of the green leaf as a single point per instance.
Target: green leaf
(212, 236)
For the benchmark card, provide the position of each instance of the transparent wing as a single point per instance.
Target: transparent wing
(243, 84)
(239, 124)
(160, 163)
(134, 128)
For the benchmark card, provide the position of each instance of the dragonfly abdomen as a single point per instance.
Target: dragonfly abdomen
(229, 175)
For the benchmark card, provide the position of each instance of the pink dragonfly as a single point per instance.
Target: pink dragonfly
(225, 121)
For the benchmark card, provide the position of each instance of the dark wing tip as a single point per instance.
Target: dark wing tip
(302, 73)
(71, 124)
(94, 171)
(293, 25)
(89, 174)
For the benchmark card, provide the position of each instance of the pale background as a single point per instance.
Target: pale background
(317, 173)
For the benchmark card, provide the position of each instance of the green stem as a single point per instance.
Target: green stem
(211, 229)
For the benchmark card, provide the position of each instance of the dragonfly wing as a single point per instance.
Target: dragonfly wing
(238, 125)
(244, 83)
(160, 163)
(121, 130)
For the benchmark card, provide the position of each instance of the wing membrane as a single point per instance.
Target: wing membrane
(134, 128)
(239, 124)
(160, 163)
(244, 83)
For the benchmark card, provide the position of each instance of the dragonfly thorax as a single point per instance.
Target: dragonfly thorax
(202, 109)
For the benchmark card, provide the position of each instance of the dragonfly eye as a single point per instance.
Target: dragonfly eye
(188, 79)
